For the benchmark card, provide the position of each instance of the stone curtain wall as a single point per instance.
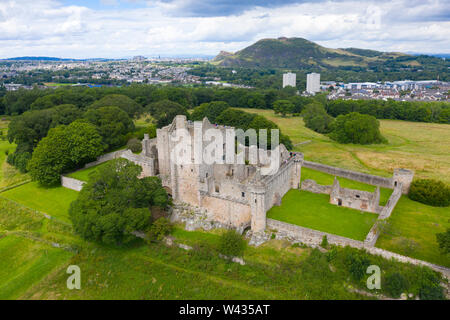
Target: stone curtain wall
(77, 185)
(385, 213)
(71, 183)
(353, 175)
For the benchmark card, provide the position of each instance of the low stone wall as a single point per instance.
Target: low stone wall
(72, 183)
(105, 157)
(307, 236)
(392, 202)
(353, 175)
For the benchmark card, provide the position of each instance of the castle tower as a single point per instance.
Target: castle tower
(404, 177)
(258, 208)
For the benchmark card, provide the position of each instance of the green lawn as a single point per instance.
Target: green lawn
(413, 228)
(313, 211)
(53, 201)
(83, 174)
(327, 179)
(26, 262)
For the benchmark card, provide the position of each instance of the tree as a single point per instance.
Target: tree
(165, 111)
(113, 124)
(430, 192)
(65, 148)
(357, 128)
(232, 244)
(114, 203)
(210, 110)
(316, 118)
(131, 107)
(134, 145)
(283, 107)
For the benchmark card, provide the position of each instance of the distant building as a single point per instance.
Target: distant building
(289, 79)
(313, 83)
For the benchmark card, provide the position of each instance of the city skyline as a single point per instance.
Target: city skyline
(124, 28)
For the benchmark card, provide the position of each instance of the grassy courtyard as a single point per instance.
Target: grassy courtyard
(313, 211)
(53, 201)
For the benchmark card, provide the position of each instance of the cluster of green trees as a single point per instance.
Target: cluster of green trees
(111, 124)
(115, 203)
(401, 110)
(349, 128)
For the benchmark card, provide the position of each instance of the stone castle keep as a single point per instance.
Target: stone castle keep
(236, 195)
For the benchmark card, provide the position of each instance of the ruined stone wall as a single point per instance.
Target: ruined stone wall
(230, 212)
(353, 175)
(278, 185)
(392, 202)
(71, 183)
(147, 164)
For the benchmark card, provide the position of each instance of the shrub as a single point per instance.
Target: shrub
(159, 229)
(430, 192)
(134, 145)
(356, 263)
(395, 284)
(443, 240)
(324, 243)
(232, 244)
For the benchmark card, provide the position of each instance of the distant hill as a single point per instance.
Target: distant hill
(299, 53)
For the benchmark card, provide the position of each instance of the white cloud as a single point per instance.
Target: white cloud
(46, 27)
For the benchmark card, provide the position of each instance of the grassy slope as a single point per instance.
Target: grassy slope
(423, 147)
(54, 201)
(25, 262)
(413, 221)
(313, 211)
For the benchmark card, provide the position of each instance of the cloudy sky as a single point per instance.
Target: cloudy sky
(124, 28)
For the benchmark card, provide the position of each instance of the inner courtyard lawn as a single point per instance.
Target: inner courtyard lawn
(313, 211)
(54, 201)
(328, 179)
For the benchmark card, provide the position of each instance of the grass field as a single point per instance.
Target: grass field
(53, 201)
(313, 211)
(412, 231)
(327, 179)
(422, 147)
(84, 174)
